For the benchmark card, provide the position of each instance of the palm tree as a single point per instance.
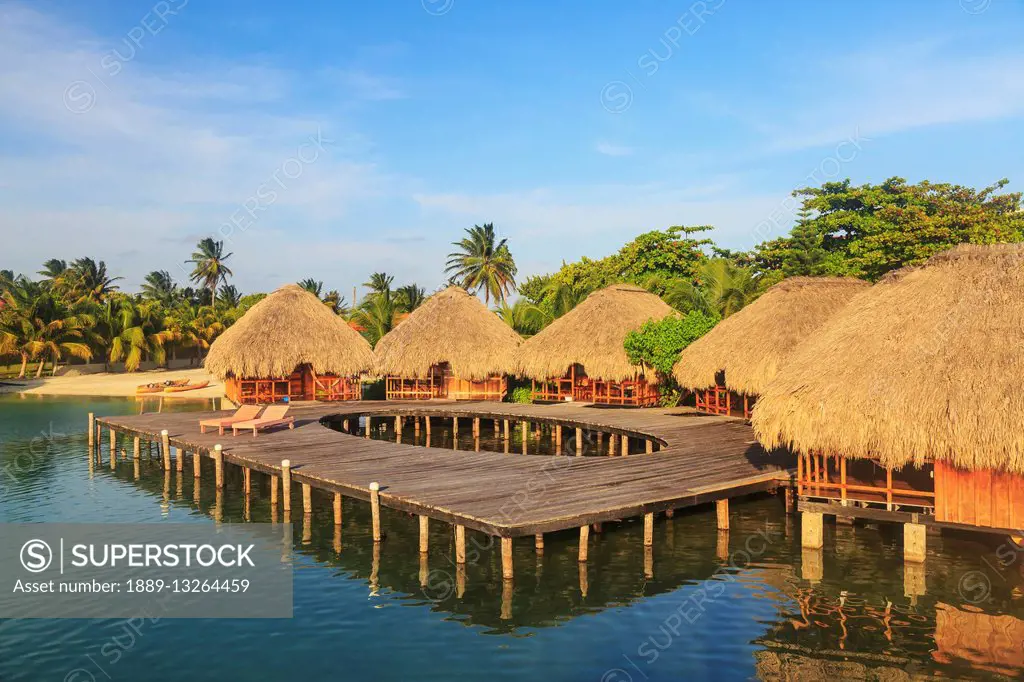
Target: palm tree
(722, 288)
(336, 302)
(210, 269)
(159, 286)
(313, 286)
(89, 281)
(141, 333)
(410, 297)
(559, 297)
(483, 263)
(195, 326)
(6, 280)
(376, 315)
(524, 317)
(38, 325)
(228, 297)
(379, 282)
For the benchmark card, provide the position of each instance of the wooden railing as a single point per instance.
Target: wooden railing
(400, 388)
(636, 393)
(826, 477)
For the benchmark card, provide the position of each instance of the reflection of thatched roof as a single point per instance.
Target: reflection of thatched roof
(926, 364)
(751, 345)
(288, 328)
(451, 327)
(592, 334)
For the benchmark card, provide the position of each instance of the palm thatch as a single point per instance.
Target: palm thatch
(454, 327)
(751, 345)
(592, 334)
(925, 365)
(288, 328)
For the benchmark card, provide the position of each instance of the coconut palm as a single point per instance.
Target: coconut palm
(523, 316)
(410, 297)
(195, 327)
(483, 262)
(313, 286)
(87, 280)
(159, 286)
(210, 269)
(722, 288)
(228, 297)
(379, 282)
(140, 334)
(377, 315)
(38, 325)
(336, 302)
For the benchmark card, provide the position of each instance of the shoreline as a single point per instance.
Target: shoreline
(117, 385)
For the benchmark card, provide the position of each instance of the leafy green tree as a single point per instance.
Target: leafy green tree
(658, 343)
(666, 254)
(483, 262)
(804, 254)
(721, 289)
(38, 325)
(249, 300)
(159, 286)
(210, 269)
(228, 297)
(377, 315)
(195, 326)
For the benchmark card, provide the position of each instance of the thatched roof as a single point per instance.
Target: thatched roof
(454, 327)
(592, 334)
(751, 345)
(926, 364)
(288, 328)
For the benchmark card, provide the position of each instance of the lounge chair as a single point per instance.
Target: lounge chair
(272, 416)
(245, 413)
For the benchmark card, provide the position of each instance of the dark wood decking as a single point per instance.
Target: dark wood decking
(702, 459)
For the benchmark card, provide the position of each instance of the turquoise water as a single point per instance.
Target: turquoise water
(700, 607)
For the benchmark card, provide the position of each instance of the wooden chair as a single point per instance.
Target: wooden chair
(273, 416)
(243, 414)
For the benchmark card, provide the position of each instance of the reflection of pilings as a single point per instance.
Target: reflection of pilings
(584, 584)
(811, 564)
(584, 541)
(649, 562)
(506, 599)
(914, 583)
(460, 580)
(722, 545)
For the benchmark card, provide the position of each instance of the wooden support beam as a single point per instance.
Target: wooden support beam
(307, 499)
(424, 534)
(476, 427)
(455, 430)
(558, 439)
(197, 464)
(538, 542)
(113, 446)
(137, 448)
(648, 530)
(811, 530)
(584, 541)
(92, 432)
(275, 483)
(722, 508)
(337, 509)
(218, 460)
(179, 459)
(612, 440)
(649, 446)
(165, 444)
(579, 442)
(625, 446)
(914, 543)
(426, 424)
(246, 480)
(526, 435)
(507, 432)
(506, 559)
(460, 544)
(369, 426)
(286, 484)
(375, 510)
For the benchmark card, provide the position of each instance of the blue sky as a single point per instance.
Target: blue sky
(333, 139)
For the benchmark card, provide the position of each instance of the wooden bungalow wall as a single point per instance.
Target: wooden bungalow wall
(987, 498)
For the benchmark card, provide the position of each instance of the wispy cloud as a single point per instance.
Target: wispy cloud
(610, 149)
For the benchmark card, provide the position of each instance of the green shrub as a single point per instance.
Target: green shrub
(521, 394)
(657, 344)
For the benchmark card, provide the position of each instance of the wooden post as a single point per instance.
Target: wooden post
(506, 558)
(625, 446)
(337, 509)
(275, 482)
(722, 507)
(506, 430)
(137, 448)
(424, 534)
(113, 447)
(914, 542)
(165, 443)
(558, 439)
(197, 464)
(369, 425)
(526, 434)
(179, 461)
(579, 442)
(611, 444)
(649, 446)
(538, 542)
(92, 433)
(476, 427)
(398, 429)
(218, 461)
(811, 533)
(307, 499)
(246, 479)
(375, 509)
(584, 539)
(648, 530)
(455, 430)
(460, 544)
(416, 426)
(286, 484)
(426, 422)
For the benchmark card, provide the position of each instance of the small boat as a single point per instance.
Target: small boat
(149, 388)
(186, 387)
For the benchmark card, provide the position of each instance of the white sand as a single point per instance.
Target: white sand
(119, 384)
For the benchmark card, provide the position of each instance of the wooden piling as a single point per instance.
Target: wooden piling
(286, 484)
(218, 462)
(426, 423)
(375, 509)
(460, 544)
(197, 464)
(611, 444)
(137, 448)
(649, 446)
(476, 427)
(113, 447)
(811, 532)
(625, 446)
(538, 542)
(246, 480)
(369, 425)
(722, 510)
(526, 435)
(424, 534)
(558, 439)
(416, 426)
(506, 558)
(455, 431)
(579, 442)
(584, 540)
(92, 432)
(914, 542)
(165, 444)
(307, 499)
(648, 530)
(506, 429)
(179, 461)
(337, 509)
(275, 482)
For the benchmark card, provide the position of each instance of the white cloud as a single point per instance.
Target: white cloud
(609, 149)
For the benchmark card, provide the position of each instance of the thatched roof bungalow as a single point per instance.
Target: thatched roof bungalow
(581, 356)
(745, 351)
(290, 346)
(918, 375)
(452, 346)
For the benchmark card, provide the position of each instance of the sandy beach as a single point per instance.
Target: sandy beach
(117, 384)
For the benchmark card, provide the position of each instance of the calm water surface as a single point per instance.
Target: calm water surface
(701, 606)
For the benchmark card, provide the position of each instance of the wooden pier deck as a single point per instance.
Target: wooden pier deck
(699, 459)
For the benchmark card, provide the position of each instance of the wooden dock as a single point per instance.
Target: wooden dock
(696, 459)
